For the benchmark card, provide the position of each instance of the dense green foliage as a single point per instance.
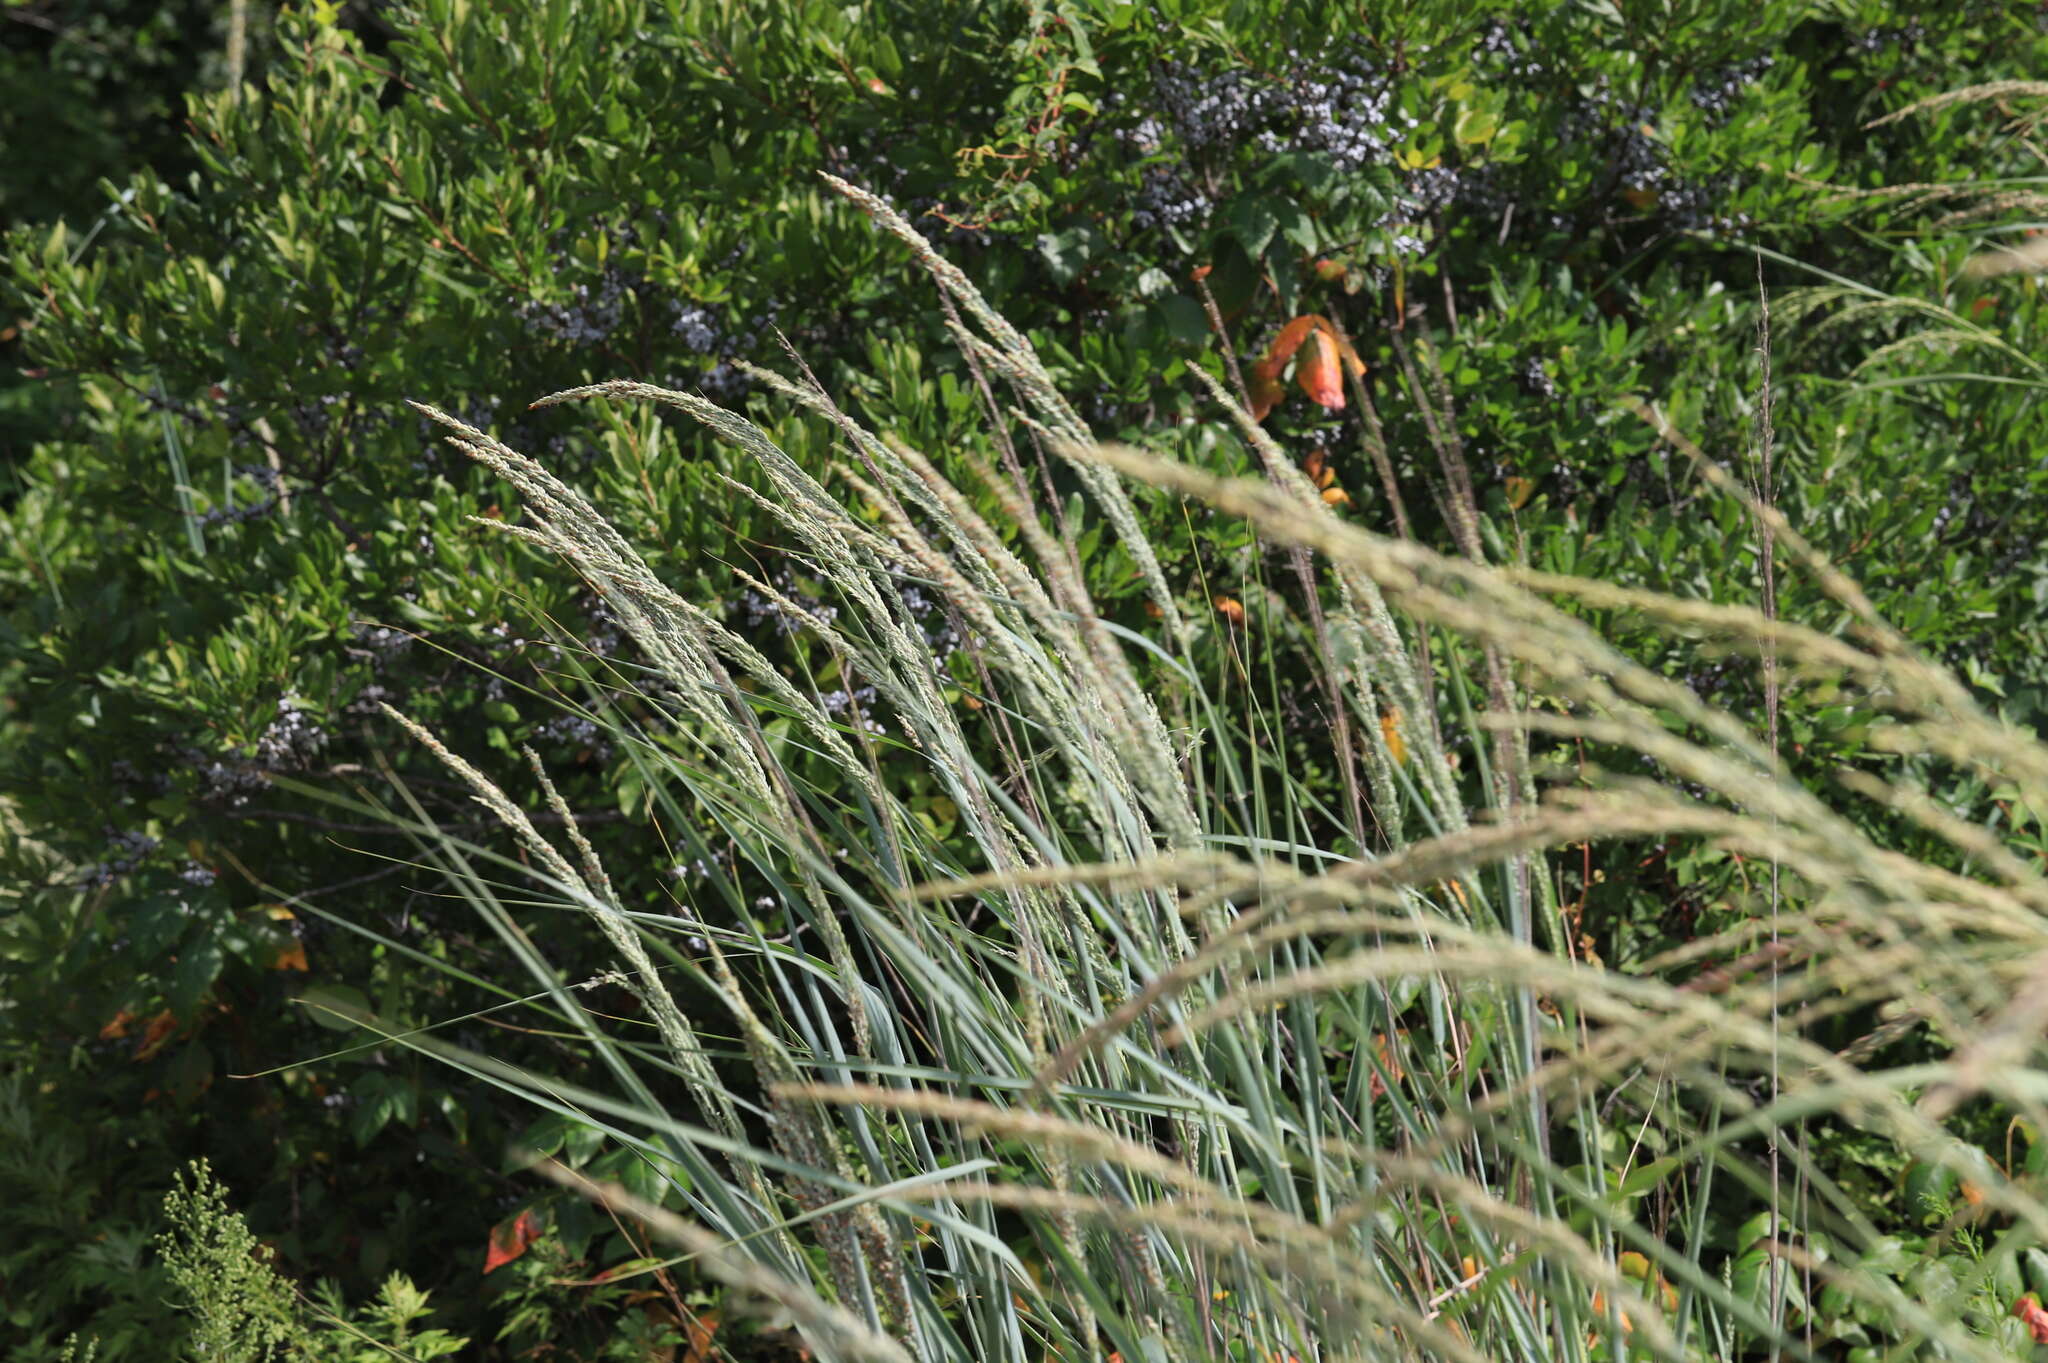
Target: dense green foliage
(238, 542)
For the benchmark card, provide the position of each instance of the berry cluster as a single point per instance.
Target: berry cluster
(1344, 111)
(697, 326)
(858, 701)
(576, 731)
(264, 477)
(703, 333)
(1508, 49)
(1891, 35)
(587, 318)
(1717, 93)
(1166, 199)
(1640, 165)
(1211, 110)
(765, 610)
(1536, 379)
(381, 643)
(125, 852)
(290, 742)
(1339, 104)
(605, 630)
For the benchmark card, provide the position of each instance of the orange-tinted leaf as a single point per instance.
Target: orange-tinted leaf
(701, 1331)
(118, 1027)
(1317, 467)
(1329, 271)
(292, 957)
(1231, 609)
(2030, 1310)
(1318, 372)
(161, 1028)
(509, 1239)
(1383, 1047)
(1600, 1309)
(1291, 336)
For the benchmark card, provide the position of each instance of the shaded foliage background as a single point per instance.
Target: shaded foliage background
(226, 540)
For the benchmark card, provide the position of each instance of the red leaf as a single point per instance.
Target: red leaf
(509, 1239)
(2029, 1309)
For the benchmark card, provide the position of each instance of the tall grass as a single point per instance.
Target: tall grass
(1128, 1063)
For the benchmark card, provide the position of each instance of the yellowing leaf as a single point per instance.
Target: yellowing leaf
(1475, 126)
(1519, 491)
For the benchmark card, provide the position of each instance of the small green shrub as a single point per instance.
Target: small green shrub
(243, 1311)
